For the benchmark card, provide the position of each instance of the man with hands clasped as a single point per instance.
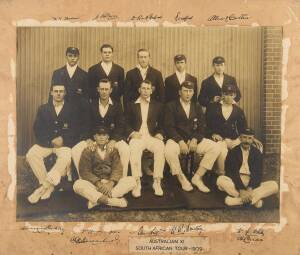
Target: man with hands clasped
(100, 172)
(243, 174)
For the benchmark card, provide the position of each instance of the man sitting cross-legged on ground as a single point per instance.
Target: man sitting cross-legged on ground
(55, 128)
(184, 124)
(243, 169)
(100, 171)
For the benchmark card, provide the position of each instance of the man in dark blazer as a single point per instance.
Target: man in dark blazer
(106, 69)
(225, 121)
(211, 88)
(105, 112)
(75, 81)
(56, 131)
(144, 130)
(243, 179)
(142, 72)
(173, 82)
(185, 125)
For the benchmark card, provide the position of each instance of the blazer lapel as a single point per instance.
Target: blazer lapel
(151, 111)
(138, 112)
(101, 70)
(66, 74)
(176, 81)
(181, 110)
(52, 111)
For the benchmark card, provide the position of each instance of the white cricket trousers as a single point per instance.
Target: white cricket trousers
(225, 145)
(35, 157)
(121, 146)
(208, 148)
(265, 189)
(154, 145)
(89, 191)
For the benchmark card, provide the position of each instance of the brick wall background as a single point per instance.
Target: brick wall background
(271, 105)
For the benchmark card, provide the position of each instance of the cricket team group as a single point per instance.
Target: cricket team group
(103, 120)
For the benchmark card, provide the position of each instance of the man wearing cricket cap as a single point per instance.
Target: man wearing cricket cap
(225, 121)
(173, 82)
(243, 174)
(211, 88)
(100, 173)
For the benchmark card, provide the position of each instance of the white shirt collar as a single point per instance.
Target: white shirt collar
(109, 101)
(71, 67)
(58, 104)
(139, 100)
(184, 103)
(141, 68)
(180, 74)
(109, 64)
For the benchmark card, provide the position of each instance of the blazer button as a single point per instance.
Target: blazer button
(55, 131)
(56, 122)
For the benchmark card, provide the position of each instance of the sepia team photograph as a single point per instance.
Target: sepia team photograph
(156, 124)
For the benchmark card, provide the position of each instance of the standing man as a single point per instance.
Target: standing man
(173, 82)
(184, 124)
(100, 171)
(225, 121)
(75, 81)
(142, 72)
(211, 88)
(106, 69)
(105, 112)
(55, 128)
(243, 179)
(144, 129)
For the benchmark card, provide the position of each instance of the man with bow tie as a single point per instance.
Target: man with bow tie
(173, 82)
(106, 69)
(106, 112)
(143, 71)
(56, 131)
(184, 125)
(144, 131)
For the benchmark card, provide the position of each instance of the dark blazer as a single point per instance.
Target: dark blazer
(76, 93)
(48, 125)
(114, 120)
(134, 79)
(210, 89)
(116, 76)
(178, 127)
(172, 87)
(134, 118)
(216, 123)
(76, 87)
(233, 164)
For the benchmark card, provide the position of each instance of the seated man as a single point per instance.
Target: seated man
(100, 173)
(105, 112)
(225, 120)
(243, 169)
(184, 124)
(55, 128)
(143, 125)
